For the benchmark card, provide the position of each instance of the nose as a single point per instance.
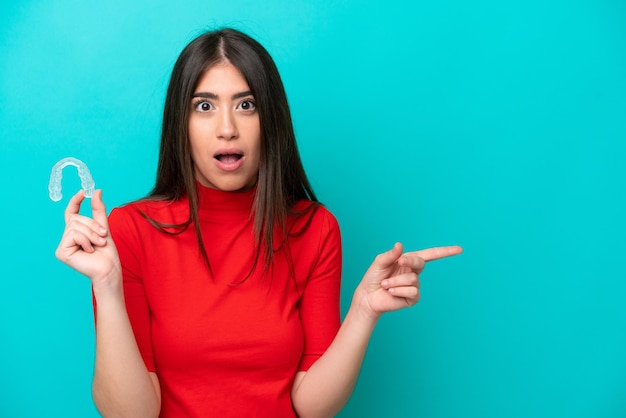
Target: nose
(226, 126)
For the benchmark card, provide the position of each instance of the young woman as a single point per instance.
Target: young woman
(218, 294)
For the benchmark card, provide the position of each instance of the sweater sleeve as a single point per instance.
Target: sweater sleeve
(319, 305)
(126, 235)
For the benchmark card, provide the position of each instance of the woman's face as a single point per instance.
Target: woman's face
(224, 130)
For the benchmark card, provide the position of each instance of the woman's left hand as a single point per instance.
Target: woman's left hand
(392, 281)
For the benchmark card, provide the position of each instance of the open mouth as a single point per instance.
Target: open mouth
(228, 158)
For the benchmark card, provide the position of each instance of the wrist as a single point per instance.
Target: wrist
(361, 308)
(108, 284)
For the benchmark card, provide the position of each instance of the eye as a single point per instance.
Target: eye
(247, 105)
(202, 106)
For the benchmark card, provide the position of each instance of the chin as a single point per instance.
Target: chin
(234, 186)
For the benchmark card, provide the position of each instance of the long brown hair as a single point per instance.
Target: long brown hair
(281, 180)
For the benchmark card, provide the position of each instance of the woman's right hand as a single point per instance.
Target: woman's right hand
(86, 245)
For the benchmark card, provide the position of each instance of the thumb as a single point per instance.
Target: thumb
(98, 210)
(386, 259)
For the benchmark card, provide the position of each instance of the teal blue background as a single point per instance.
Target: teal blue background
(499, 126)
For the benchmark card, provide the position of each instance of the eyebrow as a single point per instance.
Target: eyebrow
(214, 96)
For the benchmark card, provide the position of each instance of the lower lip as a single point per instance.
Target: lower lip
(229, 166)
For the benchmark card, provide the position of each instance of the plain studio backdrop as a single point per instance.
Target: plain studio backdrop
(498, 126)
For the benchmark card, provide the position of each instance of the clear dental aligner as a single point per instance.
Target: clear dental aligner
(54, 187)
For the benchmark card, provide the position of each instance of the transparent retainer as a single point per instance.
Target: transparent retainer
(86, 181)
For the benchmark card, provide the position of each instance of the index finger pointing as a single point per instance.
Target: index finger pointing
(436, 253)
(73, 207)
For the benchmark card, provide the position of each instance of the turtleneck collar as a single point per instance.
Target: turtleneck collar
(220, 205)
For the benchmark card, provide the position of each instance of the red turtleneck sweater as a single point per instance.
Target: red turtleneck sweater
(223, 347)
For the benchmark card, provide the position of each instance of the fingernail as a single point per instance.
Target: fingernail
(385, 283)
(102, 230)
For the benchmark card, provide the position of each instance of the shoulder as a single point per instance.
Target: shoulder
(316, 237)
(308, 215)
(138, 214)
(160, 210)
